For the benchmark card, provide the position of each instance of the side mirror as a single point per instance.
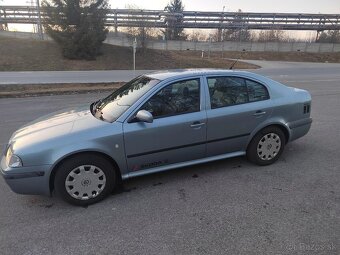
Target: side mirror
(144, 116)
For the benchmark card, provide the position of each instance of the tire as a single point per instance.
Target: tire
(266, 146)
(85, 179)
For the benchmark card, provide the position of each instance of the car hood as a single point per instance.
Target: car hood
(54, 124)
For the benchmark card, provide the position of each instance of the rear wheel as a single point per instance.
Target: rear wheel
(85, 179)
(266, 146)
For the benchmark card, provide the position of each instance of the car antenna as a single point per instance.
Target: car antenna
(233, 64)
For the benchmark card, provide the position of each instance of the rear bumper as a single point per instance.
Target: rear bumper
(299, 128)
(27, 180)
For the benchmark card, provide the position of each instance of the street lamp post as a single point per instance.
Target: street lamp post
(222, 34)
(210, 39)
(39, 22)
(134, 46)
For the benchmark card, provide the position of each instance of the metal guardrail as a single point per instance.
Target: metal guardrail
(190, 19)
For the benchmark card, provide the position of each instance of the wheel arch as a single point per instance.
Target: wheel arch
(279, 125)
(285, 131)
(69, 156)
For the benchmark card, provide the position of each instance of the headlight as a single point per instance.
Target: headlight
(12, 160)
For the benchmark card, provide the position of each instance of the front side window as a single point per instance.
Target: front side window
(227, 91)
(177, 98)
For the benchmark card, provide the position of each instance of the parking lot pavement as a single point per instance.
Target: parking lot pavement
(224, 207)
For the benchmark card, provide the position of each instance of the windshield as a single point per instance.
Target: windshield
(114, 105)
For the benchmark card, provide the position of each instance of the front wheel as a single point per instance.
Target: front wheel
(84, 179)
(266, 146)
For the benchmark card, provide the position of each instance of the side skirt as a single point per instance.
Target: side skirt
(182, 164)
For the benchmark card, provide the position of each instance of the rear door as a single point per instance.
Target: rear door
(178, 132)
(237, 106)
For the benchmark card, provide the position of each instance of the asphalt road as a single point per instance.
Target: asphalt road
(48, 77)
(290, 70)
(224, 207)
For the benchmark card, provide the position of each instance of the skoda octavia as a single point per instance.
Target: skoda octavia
(153, 123)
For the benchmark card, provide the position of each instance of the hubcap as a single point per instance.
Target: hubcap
(269, 146)
(85, 182)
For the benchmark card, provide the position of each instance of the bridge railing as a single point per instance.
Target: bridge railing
(191, 19)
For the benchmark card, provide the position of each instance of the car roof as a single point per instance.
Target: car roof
(276, 88)
(183, 73)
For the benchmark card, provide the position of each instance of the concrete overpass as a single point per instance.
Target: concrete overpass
(191, 19)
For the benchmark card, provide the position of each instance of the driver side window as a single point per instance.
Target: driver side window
(177, 98)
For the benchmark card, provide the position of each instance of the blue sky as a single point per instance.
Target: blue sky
(301, 6)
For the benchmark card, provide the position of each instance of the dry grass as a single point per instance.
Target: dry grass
(55, 89)
(32, 55)
(333, 57)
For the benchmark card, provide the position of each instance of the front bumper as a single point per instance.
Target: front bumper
(27, 180)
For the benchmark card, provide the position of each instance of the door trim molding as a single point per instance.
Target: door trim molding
(185, 146)
(182, 164)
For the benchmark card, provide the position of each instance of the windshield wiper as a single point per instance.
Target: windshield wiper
(96, 109)
(95, 106)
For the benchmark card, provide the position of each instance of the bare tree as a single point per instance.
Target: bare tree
(331, 36)
(3, 26)
(142, 33)
(197, 35)
(271, 36)
(132, 32)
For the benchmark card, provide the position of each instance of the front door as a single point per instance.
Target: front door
(178, 132)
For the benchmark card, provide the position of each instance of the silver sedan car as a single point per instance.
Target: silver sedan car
(154, 123)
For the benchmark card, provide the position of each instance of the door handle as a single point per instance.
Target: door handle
(259, 113)
(197, 124)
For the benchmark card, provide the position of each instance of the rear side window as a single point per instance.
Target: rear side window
(227, 91)
(256, 91)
